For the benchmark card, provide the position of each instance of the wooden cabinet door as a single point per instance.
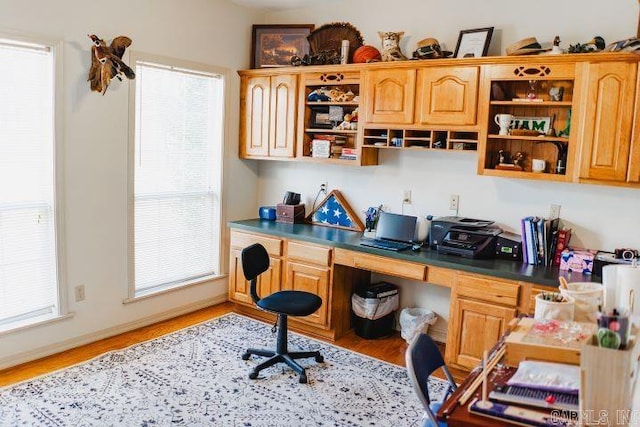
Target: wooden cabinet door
(474, 327)
(282, 130)
(390, 96)
(447, 95)
(314, 279)
(240, 289)
(255, 115)
(608, 104)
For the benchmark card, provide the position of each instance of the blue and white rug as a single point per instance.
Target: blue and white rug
(195, 377)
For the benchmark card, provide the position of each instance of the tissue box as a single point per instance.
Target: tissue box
(578, 260)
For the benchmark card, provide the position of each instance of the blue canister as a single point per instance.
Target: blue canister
(267, 212)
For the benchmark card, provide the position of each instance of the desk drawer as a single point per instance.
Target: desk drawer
(378, 264)
(242, 240)
(487, 289)
(304, 252)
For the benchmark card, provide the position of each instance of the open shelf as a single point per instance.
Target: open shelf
(535, 103)
(382, 138)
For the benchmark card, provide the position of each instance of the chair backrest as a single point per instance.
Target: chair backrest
(255, 261)
(422, 359)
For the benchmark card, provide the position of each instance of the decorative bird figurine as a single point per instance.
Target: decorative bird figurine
(106, 62)
(594, 45)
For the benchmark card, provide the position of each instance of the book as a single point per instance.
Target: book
(530, 242)
(550, 230)
(564, 236)
(523, 224)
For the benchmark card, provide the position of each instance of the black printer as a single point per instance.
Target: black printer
(466, 237)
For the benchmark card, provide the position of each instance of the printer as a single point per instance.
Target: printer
(466, 237)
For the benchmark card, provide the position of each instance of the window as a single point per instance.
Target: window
(177, 141)
(29, 273)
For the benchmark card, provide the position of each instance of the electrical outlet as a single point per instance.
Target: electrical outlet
(79, 291)
(454, 202)
(554, 211)
(324, 186)
(406, 197)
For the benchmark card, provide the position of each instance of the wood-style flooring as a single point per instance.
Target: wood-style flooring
(389, 349)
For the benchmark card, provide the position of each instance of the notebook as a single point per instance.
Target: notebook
(394, 232)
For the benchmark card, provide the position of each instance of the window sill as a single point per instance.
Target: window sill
(142, 295)
(31, 323)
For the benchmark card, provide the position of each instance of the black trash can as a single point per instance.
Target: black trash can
(373, 310)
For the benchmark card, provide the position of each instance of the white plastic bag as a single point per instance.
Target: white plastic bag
(374, 308)
(414, 321)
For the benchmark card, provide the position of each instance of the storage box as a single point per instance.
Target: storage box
(547, 340)
(607, 382)
(290, 213)
(580, 261)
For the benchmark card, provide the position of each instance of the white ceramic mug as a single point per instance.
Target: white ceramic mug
(538, 165)
(504, 121)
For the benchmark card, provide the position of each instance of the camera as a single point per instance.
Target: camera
(626, 253)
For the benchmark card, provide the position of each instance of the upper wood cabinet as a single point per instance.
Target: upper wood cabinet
(606, 120)
(268, 116)
(447, 95)
(389, 95)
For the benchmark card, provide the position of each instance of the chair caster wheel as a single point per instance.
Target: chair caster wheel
(319, 358)
(246, 356)
(303, 378)
(253, 375)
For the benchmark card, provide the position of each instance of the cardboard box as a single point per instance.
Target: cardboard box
(290, 213)
(547, 340)
(580, 261)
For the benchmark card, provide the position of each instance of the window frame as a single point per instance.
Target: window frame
(172, 63)
(63, 290)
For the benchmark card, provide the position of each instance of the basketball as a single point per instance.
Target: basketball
(366, 54)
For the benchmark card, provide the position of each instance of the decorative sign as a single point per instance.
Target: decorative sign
(334, 211)
(541, 124)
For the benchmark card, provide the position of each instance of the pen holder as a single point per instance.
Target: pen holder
(614, 329)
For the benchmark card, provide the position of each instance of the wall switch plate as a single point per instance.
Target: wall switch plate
(554, 211)
(79, 291)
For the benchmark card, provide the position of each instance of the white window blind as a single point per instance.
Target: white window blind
(28, 266)
(178, 133)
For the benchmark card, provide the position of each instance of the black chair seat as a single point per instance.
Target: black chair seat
(292, 303)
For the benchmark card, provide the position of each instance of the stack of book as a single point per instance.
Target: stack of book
(349, 154)
(543, 240)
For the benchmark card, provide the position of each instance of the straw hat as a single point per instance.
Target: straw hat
(526, 46)
(430, 48)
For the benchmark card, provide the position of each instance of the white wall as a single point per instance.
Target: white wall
(95, 151)
(601, 217)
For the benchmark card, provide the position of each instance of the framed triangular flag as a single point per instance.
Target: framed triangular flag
(334, 211)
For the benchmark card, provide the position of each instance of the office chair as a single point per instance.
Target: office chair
(255, 261)
(422, 359)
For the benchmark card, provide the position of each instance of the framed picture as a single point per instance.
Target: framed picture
(473, 43)
(274, 45)
(320, 119)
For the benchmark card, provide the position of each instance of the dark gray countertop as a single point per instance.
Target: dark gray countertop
(346, 239)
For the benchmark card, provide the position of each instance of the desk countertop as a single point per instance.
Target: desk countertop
(346, 239)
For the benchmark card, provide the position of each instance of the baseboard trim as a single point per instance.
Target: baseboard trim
(109, 332)
(438, 334)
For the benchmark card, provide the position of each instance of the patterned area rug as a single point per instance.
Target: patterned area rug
(195, 377)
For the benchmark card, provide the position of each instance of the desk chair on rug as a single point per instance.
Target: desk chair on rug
(255, 261)
(422, 359)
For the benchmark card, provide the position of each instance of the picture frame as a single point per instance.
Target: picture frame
(473, 43)
(274, 45)
(320, 119)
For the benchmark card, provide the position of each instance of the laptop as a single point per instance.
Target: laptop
(394, 232)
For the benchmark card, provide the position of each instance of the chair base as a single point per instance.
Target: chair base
(281, 354)
(289, 358)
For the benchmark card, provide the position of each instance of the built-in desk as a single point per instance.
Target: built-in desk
(330, 262)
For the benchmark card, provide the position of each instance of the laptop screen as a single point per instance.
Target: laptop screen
(401, 228)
